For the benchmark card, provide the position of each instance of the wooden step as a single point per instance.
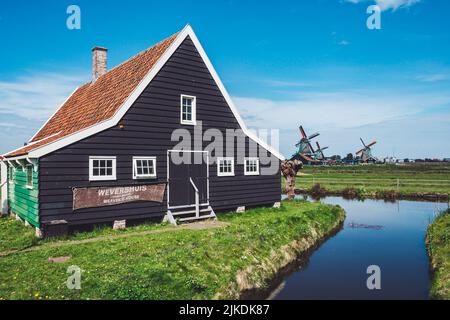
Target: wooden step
(197, 218)
(209, 214)
(179, 213)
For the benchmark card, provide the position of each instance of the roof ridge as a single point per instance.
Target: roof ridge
(135, 56)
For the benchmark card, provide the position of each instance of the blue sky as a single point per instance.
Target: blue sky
(285, 63)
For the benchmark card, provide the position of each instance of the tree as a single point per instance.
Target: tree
(289, 169)
(349, 157)
(335, 157)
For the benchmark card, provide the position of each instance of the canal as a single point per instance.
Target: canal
(388, 235)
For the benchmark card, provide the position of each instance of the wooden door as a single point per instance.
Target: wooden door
(181, 193)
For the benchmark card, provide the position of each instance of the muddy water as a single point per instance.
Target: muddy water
(389, 235)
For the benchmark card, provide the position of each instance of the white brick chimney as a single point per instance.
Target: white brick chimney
(99, 59)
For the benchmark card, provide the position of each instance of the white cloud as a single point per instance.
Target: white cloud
(395, 4)
(12, 125)
(410, 137)
(399, 121)
(389, 4)
(324, 110)
(27, 101)
(15, 130)
(36, 95)
(435, 77)
(282, 83)
(338, 39)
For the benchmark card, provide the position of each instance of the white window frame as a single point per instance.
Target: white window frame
(28, 169)
(193, 121)
(251, 173)
(102, 178)
(144, 176)
(225, 174)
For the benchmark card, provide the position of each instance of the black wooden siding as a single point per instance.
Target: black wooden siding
(148, 127)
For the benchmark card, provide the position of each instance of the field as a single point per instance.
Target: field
(407, 179)
(438, 244)
(167, 262)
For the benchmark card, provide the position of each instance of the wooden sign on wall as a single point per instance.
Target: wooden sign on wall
(109, 196)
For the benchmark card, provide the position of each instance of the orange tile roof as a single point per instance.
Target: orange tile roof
(97, 101)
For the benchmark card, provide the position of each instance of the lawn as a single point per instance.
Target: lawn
(404, 178)
(438, 244)
(15, 235)
(183, 264)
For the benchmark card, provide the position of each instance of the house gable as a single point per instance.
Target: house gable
(145, 131)
(59, 142)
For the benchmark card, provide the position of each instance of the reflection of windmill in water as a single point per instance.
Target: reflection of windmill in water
(365, 154)
(305, 151)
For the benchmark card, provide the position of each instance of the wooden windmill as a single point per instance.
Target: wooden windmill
(305, 151)
(318, 154)
(366, 152)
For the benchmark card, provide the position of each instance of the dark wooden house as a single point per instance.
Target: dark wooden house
(111, 152)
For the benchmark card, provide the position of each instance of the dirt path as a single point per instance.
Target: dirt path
(191, 226)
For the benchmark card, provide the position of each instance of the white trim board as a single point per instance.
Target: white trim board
(4, 188)
(24, 156)
(54, 113)
(87, 132)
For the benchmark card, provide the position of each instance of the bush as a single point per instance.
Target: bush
(361, 193)
(349, 193)
(317, 190)
(391, 195)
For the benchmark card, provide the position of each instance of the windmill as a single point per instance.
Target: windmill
(318, 154)
(305, 151)
(366, 152)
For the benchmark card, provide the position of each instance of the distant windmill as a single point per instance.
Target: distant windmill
(318, 154)
(366, 152)
(305, 151)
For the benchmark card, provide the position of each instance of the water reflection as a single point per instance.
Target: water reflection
(337, 270)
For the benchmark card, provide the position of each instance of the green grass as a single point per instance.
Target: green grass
(14, 235)
(101, 231)
(184, 264)
(438, 244)
(412, 178)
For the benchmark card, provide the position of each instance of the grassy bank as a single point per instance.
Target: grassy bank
(183, 264)
(438, 245)
(415, 180)
(14, 235)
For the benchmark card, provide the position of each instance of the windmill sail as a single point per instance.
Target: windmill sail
(305, 149)
(366, 152)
